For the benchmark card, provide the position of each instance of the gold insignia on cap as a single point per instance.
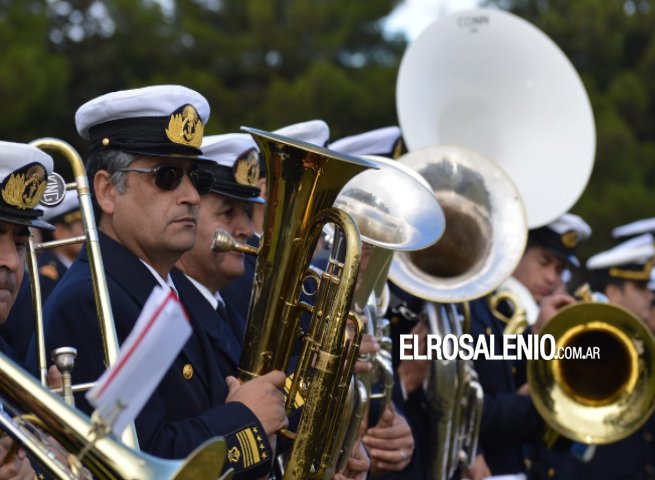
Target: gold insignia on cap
(50, 271)
(246, 168)
(233, 455)
(24, 190)
(569, 239)
(185, 127)
(187, 371)
(642, 275)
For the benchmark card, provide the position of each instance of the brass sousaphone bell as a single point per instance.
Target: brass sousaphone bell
(480, 93)
(492, 82)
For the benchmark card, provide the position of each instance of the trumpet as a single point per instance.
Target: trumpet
(601, 399)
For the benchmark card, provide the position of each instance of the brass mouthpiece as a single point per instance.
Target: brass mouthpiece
(224, 242)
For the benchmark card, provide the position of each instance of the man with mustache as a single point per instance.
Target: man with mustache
(23, 176)
(146, 183)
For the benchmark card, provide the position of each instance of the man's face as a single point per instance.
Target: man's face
(213, 269)
(634, 296)
(540, 271)
(152, 222)
(13, 247)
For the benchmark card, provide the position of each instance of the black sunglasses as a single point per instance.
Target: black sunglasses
(169, 177)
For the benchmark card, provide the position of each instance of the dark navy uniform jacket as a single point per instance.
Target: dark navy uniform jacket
(188, 406)
(509, 420)
(222, 338)
(51, 270)
(631, 458)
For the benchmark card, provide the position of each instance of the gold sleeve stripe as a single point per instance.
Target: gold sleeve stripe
(245, 449)
(253, 446)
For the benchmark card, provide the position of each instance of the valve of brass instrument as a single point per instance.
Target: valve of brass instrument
(517, 321)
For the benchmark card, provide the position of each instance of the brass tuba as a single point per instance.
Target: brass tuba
(103, 304)
(103, 456)
(608, 391)
(485, 235)
(303, 181)
(491, 82)
(385, 225)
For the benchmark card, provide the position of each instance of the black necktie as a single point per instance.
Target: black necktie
(227, 335)
(234, 320)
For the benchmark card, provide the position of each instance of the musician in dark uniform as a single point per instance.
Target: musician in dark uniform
(146, 185)
(23, 177)
(227, 206)
(622, 274)
(53, 263)
(510, 420)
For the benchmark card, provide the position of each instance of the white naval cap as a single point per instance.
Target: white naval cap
(67, 211)
(381, 141)
(24, 172)
(225, 149)
(161, 120)
(234, 162)
(563, 235)
(315, 132)
(647, 225)
(570, 222)
(630, 260)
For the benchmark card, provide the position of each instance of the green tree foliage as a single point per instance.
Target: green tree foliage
(612, 46)
(262, 63)
(33, 78)
(283, 61)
